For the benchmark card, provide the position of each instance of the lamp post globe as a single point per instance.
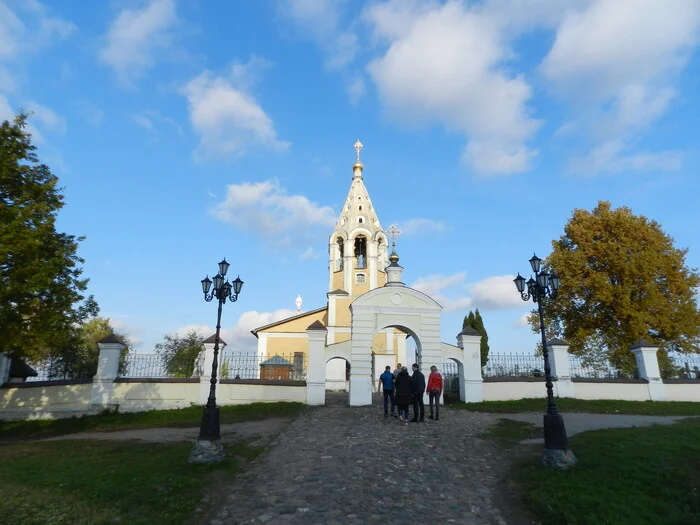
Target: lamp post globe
(556, 443)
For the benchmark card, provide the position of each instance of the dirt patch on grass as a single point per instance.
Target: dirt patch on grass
(263, 430)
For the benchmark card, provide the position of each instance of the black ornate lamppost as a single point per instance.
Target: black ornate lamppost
(222, 290)
(556, 444)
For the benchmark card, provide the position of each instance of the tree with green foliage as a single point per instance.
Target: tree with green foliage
(474, 320)
(622, 280)
(180, 353)
(81, 361)
(42, 295)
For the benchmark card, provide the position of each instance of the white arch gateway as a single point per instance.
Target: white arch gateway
(398, 306)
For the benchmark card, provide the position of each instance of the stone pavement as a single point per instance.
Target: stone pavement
(340, 465)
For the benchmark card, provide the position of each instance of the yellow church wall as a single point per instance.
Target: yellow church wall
(381, 279)
(342, 312)
(341, 337)
(299, 324)
(286, 346)
(359, 289)
(338, 283)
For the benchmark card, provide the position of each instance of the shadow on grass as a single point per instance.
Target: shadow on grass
(596, 406)
(108, 481)
(632, 475)
(113, 421)
(508, 433)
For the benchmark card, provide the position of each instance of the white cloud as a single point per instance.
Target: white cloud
(454, 293)
(321, 19)
(25, 30)
(419, 226)
(495, 293)
(440, 286)
(265, 208)
(136, 37)
(617, 63)
(91, 113)
(522, 321)
(142, 121)
(239, 337)
(227, 117)
(444, 65)
(356, 90)
(49, 119)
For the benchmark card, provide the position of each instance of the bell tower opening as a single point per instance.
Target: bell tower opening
(361, 251)
(341, 248)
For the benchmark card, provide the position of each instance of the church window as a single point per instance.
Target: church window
(360, 278)
(361, 251)
(339, 262)
(360, 208)
(359, 220)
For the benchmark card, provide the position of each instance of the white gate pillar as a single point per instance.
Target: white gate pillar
(472, 388)
(316, 367)
(648, 367)
(361, 381)
(559, 366)
(205, 377)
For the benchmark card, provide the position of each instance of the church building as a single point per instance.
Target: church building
(369, 312)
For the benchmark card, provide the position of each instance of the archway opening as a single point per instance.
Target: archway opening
(337, 375)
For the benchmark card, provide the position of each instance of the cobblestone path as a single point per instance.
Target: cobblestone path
(340, 465)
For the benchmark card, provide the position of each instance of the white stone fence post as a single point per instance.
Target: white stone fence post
(205, 377)
(471, 389)
(102, 394)
(645, 354)
(5, 363)
(559, 367)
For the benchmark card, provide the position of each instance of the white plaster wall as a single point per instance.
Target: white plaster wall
(242, 394)
(510, 390)
(682, 392)
(68, 398)
(132, 397)
(623, 391)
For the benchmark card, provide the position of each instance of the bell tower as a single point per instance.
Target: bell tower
(357, 248)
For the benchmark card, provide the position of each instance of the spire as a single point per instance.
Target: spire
(358, 166)
(393, 232)
(394, 270)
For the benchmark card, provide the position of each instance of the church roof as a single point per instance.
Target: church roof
(286, 320)
(358, 211)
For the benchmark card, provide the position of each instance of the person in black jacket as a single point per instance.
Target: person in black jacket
(402, 394)
(418, 389)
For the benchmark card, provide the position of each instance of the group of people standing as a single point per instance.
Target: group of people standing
(402, 390)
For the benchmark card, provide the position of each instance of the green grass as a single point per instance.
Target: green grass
(638, 475)
(96, 482)
(112, 421)
(597, 406)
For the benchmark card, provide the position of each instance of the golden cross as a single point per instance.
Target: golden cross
(358, 148)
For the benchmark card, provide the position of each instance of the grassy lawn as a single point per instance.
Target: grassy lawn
(95, 482)
(598, 406)
(108, 422)
(645, 475)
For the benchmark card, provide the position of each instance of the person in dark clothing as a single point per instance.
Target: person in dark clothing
(418, 389)
(402, 394)
(386, 381)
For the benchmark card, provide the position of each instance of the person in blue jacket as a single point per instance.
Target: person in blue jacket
(386, 381)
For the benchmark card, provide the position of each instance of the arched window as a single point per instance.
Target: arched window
(339, 262)
(361, 251)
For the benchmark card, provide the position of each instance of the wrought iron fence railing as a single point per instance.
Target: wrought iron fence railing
(161, 366)
(685, 366)
(586, 368)
(450, 376)
(274, 366)
(513, 365)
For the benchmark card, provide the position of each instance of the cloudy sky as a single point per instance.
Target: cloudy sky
(186, 131)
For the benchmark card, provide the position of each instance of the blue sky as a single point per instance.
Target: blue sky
(184, 131)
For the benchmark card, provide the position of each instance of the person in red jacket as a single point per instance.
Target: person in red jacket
(434, 391)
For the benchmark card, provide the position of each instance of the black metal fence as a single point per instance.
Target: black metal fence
(586, 368)
(159, 366)
(513, 365)
(450, 377)
(273, 367)
(685, 366)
